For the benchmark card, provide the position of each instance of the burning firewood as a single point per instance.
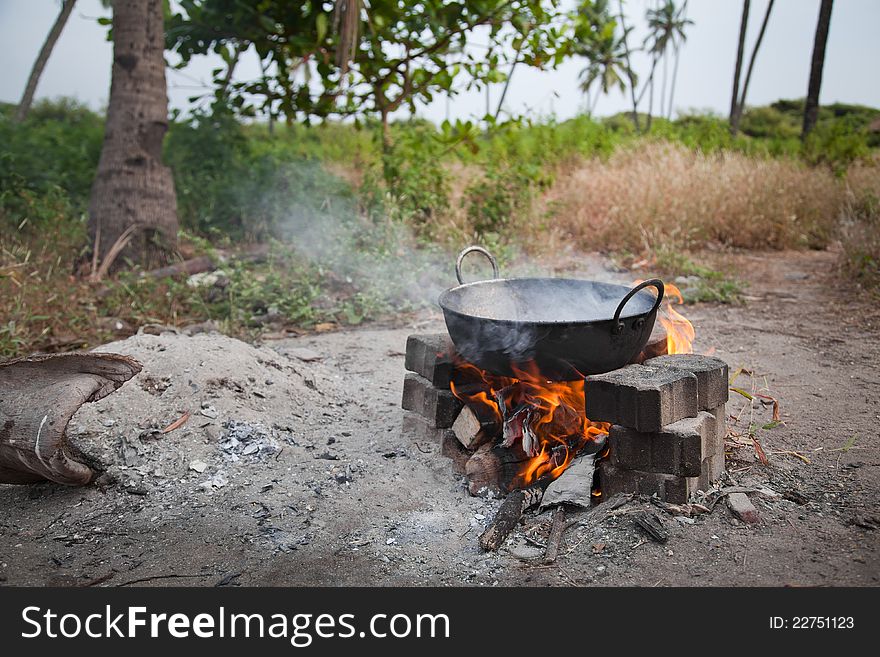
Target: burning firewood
(494, 468)
(38, 396)
(473, 428)
(514, 505)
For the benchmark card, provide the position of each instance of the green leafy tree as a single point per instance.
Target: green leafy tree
(363, 58)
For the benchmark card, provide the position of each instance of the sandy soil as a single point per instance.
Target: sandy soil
(334, 494)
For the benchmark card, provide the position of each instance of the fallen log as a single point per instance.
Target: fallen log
(201, 264)
(514, 505)
(189, 267)
(38, 396)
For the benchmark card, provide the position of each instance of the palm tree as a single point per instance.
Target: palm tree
(133, 207)
(734, 124)
(811, 106)
(607, 52)
(666, 25)
(677, 52)
(30, 89)
(741, 44)
(631, 72)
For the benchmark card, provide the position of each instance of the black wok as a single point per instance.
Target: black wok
(568, 327)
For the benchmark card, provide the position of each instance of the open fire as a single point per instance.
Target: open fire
(544, 419)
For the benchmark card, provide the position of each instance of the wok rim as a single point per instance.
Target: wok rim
(444, 296)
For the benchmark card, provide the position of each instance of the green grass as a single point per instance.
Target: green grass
(704, 283)
(321, 194)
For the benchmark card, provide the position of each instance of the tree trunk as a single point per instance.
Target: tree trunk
(651, 96)
(133, 200)
(675, 66)
(734, 100)
(811, 107)
(663, 88)
(742, 98)
(629, 72)
(27, 97)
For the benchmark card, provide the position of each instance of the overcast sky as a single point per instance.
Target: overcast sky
(80, 64)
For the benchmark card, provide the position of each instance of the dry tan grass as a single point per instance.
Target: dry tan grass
(662, 193)
(860, 225)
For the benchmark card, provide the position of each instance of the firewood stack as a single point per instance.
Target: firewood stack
(667, 415)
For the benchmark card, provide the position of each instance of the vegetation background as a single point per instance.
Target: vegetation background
(311, 222)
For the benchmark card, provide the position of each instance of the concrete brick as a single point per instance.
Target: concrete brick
(452, 449)
(668, 488)
(641, 397)
(416, 428)
(678, 449)
(431, 356)
(439, 407)
(713, 468)
(720, 415)
(712, 376)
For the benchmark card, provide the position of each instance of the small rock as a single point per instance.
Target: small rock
(198, 466)
(209, 411)
(742, 507)
(526, 552)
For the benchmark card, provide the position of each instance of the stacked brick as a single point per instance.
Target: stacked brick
(668, 425)
(429, 406)
(667, 415)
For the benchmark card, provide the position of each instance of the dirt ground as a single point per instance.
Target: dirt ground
(331, 493)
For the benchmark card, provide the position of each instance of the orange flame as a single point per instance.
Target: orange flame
(557, 427)
(679, 331)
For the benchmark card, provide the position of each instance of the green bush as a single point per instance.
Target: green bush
(235, 185)
(503, 194)
(47, 163)
(413, 173)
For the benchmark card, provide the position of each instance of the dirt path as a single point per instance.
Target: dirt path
(350, 501)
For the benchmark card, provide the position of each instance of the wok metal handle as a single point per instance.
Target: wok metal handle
(654, 282)
(478, 249)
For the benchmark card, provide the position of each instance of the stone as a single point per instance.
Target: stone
(641, 397)
(712, 376)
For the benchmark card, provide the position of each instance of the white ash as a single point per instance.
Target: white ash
(250, 439)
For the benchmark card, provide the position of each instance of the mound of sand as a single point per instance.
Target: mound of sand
(243, 403)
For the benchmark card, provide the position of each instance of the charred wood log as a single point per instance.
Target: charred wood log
(557, 528)
(494, 468)
(651, 524)
(508, 516)
(38, 396)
